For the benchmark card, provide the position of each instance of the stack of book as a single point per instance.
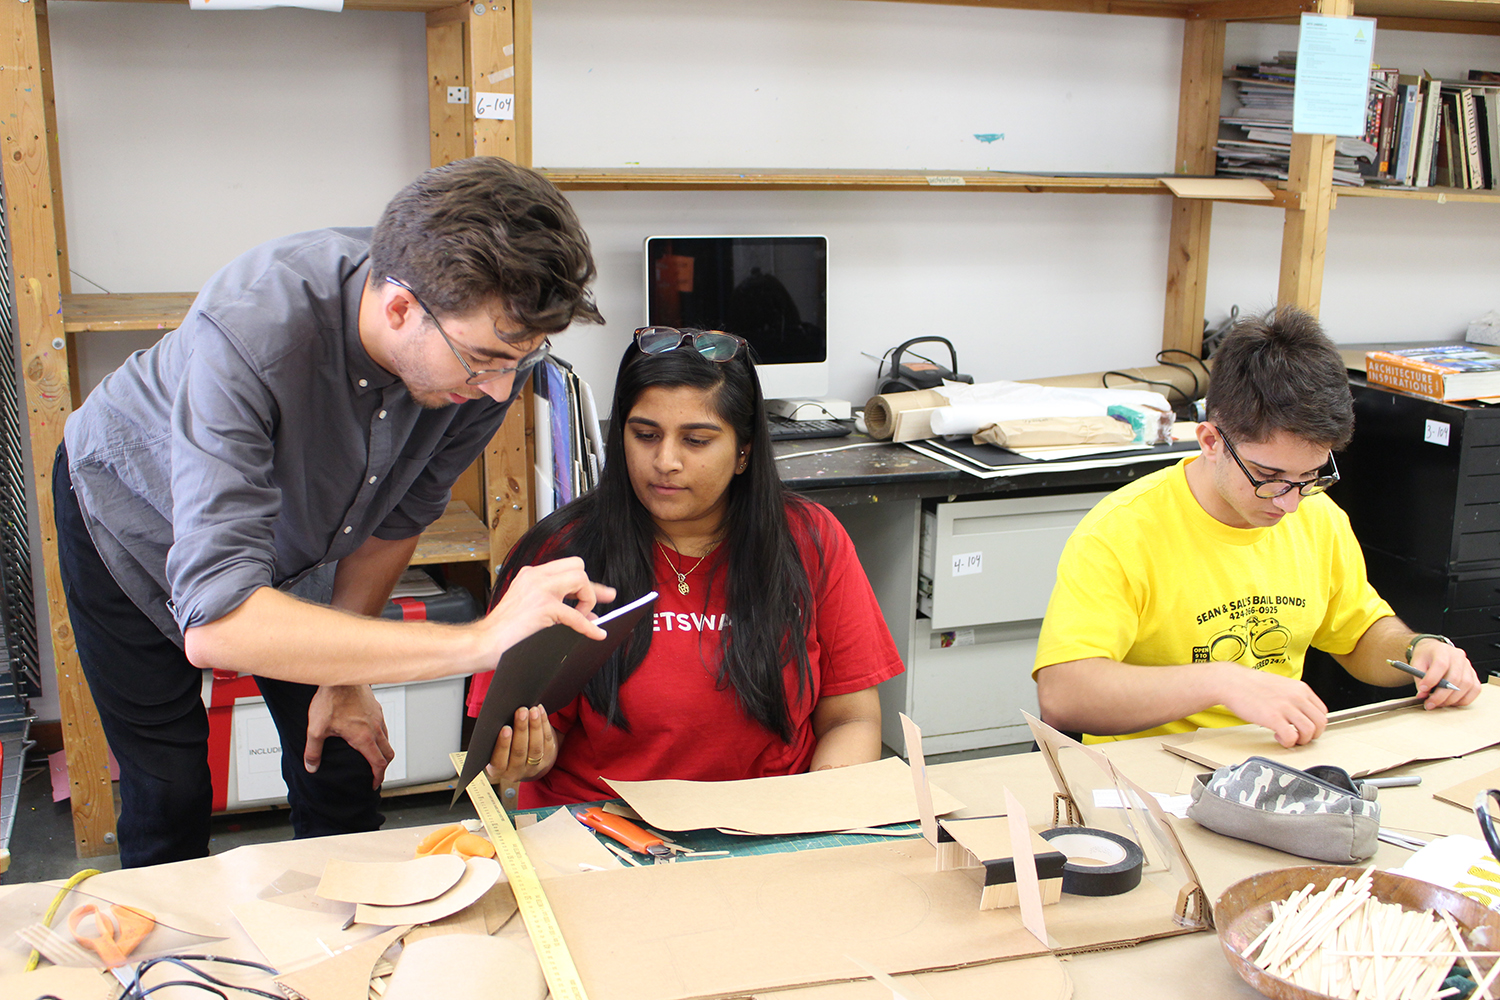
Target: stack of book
(1420, 131)
(1448, 372)
(1256, 140)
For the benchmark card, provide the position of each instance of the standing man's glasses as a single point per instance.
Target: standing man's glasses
(1270, 489)
(482, 375)
(714, 345)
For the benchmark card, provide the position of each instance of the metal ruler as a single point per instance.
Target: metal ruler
(541, 922)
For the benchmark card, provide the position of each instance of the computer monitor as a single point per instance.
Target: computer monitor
(771, 290)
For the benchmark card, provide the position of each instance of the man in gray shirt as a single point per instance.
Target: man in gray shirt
(299, 430)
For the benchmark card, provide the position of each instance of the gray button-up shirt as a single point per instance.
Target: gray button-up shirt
(258, 441)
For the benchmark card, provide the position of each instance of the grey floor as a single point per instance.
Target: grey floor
(41, 844)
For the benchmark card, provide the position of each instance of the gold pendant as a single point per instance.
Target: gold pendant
(682, 586)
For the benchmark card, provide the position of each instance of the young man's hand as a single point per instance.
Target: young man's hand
(351, 712)
(1288, 708)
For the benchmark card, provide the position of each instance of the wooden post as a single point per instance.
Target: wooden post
(1197, 129)
(39, 261)
(1304, 234)
(487, 47)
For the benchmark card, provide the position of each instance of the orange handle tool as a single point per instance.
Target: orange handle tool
(621, 829)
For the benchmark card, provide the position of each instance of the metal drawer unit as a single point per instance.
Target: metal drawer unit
(1421, 485)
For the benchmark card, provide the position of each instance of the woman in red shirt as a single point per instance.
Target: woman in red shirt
(766, 643)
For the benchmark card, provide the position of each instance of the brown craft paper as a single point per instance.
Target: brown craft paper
(484, 917)
(288, 936)
(1039, 978)
(1364, 744)
(480, 874)
(345, 976)
(667, 932)
(842, 798)
(1464, 793)
(62, 982)
(918, 766)
(559, 843)
(386, 883)
(1055, 432)
(463, 966)
(882, 411)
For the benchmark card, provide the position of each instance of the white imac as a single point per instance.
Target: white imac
(771, 290)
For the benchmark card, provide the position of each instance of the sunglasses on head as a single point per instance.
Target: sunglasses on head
(715, 345)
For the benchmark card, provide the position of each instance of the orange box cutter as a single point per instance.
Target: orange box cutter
(621, 829)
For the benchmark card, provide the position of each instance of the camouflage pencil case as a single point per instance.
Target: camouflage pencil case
(1318, 813)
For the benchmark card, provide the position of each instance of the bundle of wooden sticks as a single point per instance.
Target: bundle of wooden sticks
(1345, 943)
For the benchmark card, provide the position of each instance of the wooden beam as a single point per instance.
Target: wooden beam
(450, 126)
(1251, 10)
(1197, 130)
(492, 69)
(34, 219)
(522, 35)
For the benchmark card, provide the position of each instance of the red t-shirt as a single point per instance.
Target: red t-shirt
(681, 724)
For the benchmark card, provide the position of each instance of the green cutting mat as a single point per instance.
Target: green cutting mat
(740, 846)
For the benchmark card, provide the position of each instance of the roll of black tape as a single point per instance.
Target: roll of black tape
(1100, 863)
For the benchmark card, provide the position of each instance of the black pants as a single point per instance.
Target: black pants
(150, 703)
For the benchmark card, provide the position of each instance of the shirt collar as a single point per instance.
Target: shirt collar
(364, 374)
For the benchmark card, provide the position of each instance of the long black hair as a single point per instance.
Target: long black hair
(767, 593)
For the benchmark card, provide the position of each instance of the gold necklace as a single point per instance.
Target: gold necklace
(682, 575)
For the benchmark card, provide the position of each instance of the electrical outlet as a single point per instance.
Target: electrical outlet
(458, 95)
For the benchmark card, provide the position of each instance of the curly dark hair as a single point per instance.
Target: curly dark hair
(1280, 372)
(472, 230)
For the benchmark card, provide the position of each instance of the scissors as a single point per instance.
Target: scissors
(115, 936)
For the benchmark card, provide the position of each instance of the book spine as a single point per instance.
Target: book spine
(1387, 133)
(1431, 106)
(1400, 373)
(1471, 138)
(1492, 130)
(1409, 106)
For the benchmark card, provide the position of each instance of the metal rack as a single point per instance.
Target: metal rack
(20, 675)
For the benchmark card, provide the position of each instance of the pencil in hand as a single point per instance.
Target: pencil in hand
(1408, 668)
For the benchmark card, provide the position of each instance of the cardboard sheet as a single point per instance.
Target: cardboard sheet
(1464, 793)
(479, 875)
(559, 843)
(345, 976)
(667, 932)
(873, 794)
(387, 883)
(1236, 188)
(466, 966)
(1364, 745)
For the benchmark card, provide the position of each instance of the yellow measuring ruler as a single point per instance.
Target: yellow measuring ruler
(541, 922)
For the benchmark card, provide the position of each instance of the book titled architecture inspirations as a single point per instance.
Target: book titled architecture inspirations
(1446, 373)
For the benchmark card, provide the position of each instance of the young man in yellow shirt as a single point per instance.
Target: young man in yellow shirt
(1190, 597)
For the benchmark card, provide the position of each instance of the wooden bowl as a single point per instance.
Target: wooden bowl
(1244, 910)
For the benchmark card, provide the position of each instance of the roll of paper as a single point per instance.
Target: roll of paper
(881, 411)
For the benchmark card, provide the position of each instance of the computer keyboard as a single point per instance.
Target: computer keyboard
(784, 429)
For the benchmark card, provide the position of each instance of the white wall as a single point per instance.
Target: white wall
(188, 137)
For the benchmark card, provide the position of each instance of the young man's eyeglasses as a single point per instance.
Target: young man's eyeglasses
(482, 375)
(1270, 489)
(714, 345)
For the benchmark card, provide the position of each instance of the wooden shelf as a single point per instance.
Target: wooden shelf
(673, 179)
(115, 313)
(457, 536)
(1438, 194)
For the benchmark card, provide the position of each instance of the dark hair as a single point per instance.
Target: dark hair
(472, 230)
(767, 593)
(1280, 372)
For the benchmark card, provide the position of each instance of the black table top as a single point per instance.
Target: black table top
(831, 472)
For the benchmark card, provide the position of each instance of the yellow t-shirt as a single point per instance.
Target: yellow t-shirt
(1150, 578)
